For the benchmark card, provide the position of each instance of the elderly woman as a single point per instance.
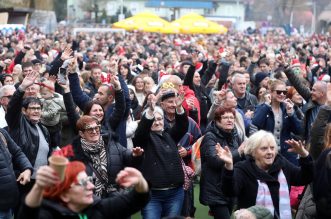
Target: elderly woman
(104, 156)
(265, 177)
(221, 131)
(73, 198)
(162, 163)
(279, 118)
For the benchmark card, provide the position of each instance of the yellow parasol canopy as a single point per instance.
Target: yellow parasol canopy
(146, 22)
(196, 24)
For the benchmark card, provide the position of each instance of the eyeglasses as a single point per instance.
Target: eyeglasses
(168, 85)
(227, 117)
(84, 182)
(91, 130)
(34, 108)
(281, 92)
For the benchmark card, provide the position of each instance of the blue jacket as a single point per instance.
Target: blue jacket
(264, 119)
(81, 99)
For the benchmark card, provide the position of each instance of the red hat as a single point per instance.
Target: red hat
(72, 170)
(295, 63)
(324, 77)
(198, 66)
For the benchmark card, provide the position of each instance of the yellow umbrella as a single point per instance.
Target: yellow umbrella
(146, 22)
(197, 24)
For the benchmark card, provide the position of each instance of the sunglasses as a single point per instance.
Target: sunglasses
(281, 92)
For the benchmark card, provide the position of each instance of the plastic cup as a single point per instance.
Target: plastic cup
(59, 164)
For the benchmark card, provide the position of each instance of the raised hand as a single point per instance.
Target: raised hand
(297, 147)
(289, 106)
(46, 177)
(225, 155)
(72, 66)
(137, 151)
(151, 101)
(66, 54)
(179, 100)
(29, 79)
(114, 80)
(132, 177)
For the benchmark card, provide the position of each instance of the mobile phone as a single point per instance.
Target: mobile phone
(62, 76)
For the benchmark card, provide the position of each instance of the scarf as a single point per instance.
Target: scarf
(97, 153)
(264, 199)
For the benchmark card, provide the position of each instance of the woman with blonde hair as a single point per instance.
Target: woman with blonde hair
(278, 118)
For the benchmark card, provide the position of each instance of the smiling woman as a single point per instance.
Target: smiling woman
(222, 132)
(73, 198)
(264, 177)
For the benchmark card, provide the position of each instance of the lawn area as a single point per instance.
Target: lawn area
(201, 212)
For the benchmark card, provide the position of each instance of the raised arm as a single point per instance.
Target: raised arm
(15, 104)
(119, 110)
(79, 97)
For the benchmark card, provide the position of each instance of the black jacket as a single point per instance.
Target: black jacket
(10, 156)
(161, 165)
(118, 207)
(23, 132)
(118, 157)
(322, 184)
(242, 181)
(212, 165)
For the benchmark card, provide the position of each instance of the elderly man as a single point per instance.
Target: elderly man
(246, 101)
(6, 92)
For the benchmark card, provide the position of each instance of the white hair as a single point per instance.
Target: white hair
(235, 76)
(5, 88)
(257, 139)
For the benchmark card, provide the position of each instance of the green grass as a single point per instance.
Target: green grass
(201, 211)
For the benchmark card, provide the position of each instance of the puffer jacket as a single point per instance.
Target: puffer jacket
(118, 157)
(52, 110)
(22, 131)
(212, 166)
(10, 155)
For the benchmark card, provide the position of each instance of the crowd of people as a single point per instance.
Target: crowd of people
(130, 110)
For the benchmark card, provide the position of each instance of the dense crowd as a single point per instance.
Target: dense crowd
(141, 116)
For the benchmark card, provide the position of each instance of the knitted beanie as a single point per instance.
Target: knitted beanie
(72, 170)
(259, 77)
(260, 212)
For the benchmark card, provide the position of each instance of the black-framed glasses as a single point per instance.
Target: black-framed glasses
(34, 108)
(84, 182)
(281, 92)
(91, 130)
